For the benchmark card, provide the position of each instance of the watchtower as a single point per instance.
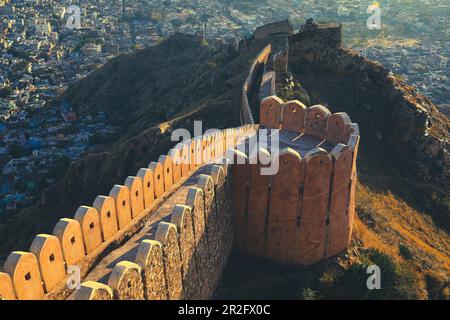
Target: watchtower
(303, 212)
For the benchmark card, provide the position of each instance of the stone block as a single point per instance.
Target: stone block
(167, 234)
(339, 198)
(126, 281)
(23, 268)
(106, 209)
(90, 227)
(68, 231)
(91, 290)
(150, 258)
(270, 112)
(48, 252)
(121, 196)
(182, 218)
(148, 188)
(315, 209)
(167, 165)
(6, 287)
(293, 118)
(158, 178)
(316, 121)
(175, 155)
(337, 128)
(136, 188)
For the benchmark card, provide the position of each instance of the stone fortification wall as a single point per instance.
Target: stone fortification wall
(304, 212)
(251, 87)
(192, 243)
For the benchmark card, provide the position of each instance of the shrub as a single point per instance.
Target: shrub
(327, 279)
(405, 252)
(308, 294)
(437, 286)
(398, 281)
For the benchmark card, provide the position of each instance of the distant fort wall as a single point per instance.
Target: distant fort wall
(273, 30)
(270, 64)
(251, 87)
(261, 81)
(305, 212)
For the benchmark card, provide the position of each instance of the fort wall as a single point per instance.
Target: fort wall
(273, 29)
(303, 213)
(183, 259)
(167, 232)
(270, 64)
(251, 87)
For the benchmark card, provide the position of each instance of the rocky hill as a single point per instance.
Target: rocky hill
(402, 199)
(403, 202)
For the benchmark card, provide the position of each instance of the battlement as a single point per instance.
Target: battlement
(303, 213)
(316, 34)
(273, 30)
(251, 87)
(167, 232)
(79, 244)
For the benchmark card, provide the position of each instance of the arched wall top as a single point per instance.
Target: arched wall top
(338, 150)
(260, 156)
(316, 152)
(270, 112)
(337, 127)
(145, 252)
(91, 290)
(293, 117)
(316, 121)
(289, 152)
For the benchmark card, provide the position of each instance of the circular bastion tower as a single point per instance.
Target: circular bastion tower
(301, 209)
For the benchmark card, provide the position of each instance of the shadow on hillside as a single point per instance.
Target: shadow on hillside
(247, 277)
(384, 165)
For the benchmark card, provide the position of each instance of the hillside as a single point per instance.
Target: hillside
(151, 86)
(403, 202)
(402, 198)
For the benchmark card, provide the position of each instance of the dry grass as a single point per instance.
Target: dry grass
(386, 221)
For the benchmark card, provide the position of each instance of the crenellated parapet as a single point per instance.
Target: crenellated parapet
(167, 231)
(77, 244)
(184, 258)
(217, 198)
(303, 212)
(251, 87)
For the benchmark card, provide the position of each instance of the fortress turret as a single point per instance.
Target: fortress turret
(303, 211)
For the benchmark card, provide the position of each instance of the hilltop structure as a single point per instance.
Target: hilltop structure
(167, 232)
(304, 212)
(196, 237)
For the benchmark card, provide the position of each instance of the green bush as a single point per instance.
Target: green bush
(405, 252)
(398, 282)
(437, 286)
(308, 294)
